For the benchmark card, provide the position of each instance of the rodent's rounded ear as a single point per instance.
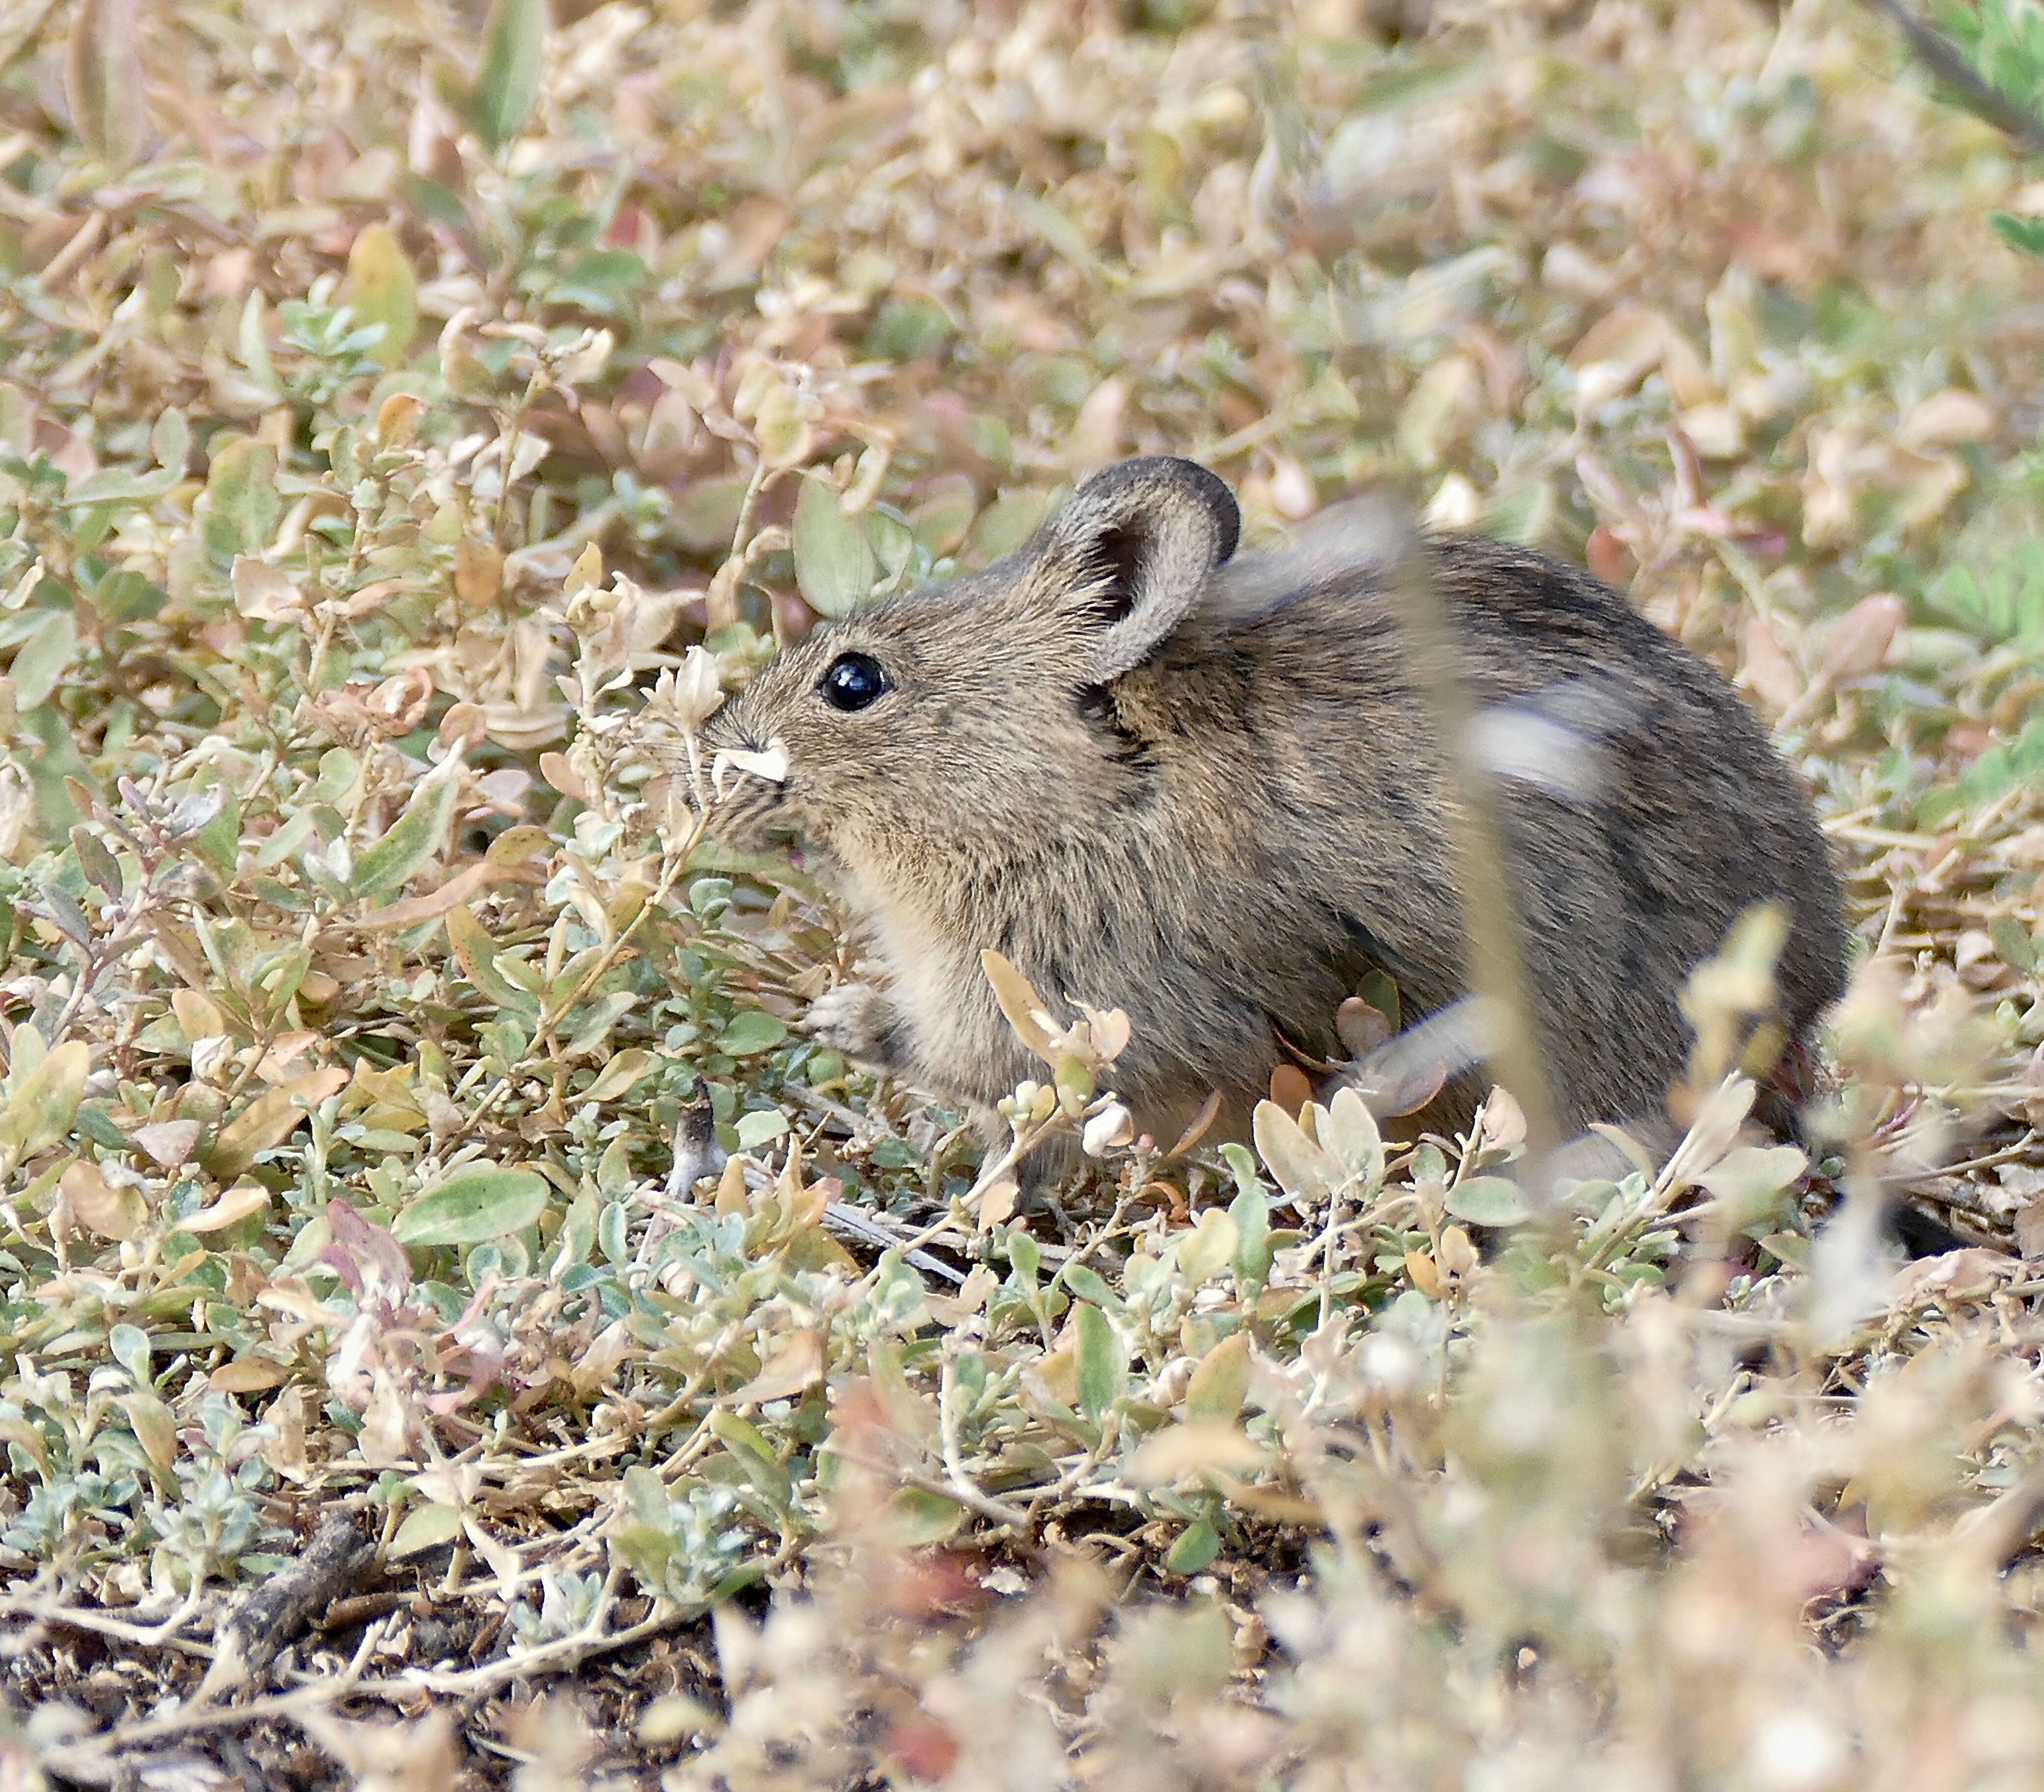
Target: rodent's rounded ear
(1127, 556)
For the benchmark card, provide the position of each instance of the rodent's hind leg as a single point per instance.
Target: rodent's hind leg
(860, 1021)
(1044, 1175)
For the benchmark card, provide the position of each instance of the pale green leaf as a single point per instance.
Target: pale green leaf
(425, 1527)
(514, 44)
(1220, 1383)
(104, 82)
(44, 658)
(413, 838)
(383, 290)
(1303, 1169)
(834, 565)
(1103, 1363)
(474, 1206)
(751, 1033)
(1489, 1200)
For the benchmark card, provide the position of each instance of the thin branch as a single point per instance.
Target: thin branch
(1945, 59)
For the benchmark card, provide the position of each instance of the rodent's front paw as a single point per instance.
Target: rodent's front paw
(859, 1020)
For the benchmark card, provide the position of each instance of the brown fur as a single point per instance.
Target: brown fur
(1220, 818)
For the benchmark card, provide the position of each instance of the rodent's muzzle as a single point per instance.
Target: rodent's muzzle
(743, 785)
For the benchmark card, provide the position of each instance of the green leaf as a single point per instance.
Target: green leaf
(242, 484)
(155, 1426)
(51, 771)
(941, 521)
(285, 840)
(1210, 1247)
(2014, 941)
(474, 1206)
(762, 1127)
(104, 82)
(2024, 234)
(383, 290)
(594, 1023)
(1489, 1200)
(1220, 1383)
(1250, 1211)
(128, 1345)
(42, 1105)
(1003, 526)
(1354, 1140)
(425, 1527)
(923, 1518)
(413, 838)
(124, 595)
(1089, 1285)
(750, 1033)
(254, 344)
(44, 658)
(1194, 1549)
(617, 1077)
(1303, 1169)
(1102, 1364)
(116, 486)
(1242, 1165)
(476, 953)
(514, 45)
(706, 513)
(834, 565)
(171, 441)
(272, 1118)
(647, 1495)
(338, 771)
(752, 1452)
(909, 330)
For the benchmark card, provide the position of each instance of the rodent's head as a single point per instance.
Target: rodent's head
(973, 710)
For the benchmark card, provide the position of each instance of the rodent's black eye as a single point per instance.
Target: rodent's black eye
(853, 681)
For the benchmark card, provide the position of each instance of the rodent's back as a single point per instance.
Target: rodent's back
(1697, 815)
(1642, 807)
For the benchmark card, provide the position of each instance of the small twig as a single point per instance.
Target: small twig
(721, 605)
(870, 1229)
(495, 1094)
(148, 1636)
(967, 1495)
(300, 1701)
(2008, 1154)
(960, 1485)
(1946, 60)
(507, 447)
(567, 1653)
(676, 862)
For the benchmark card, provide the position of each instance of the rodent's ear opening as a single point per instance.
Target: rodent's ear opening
(1127, 556)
